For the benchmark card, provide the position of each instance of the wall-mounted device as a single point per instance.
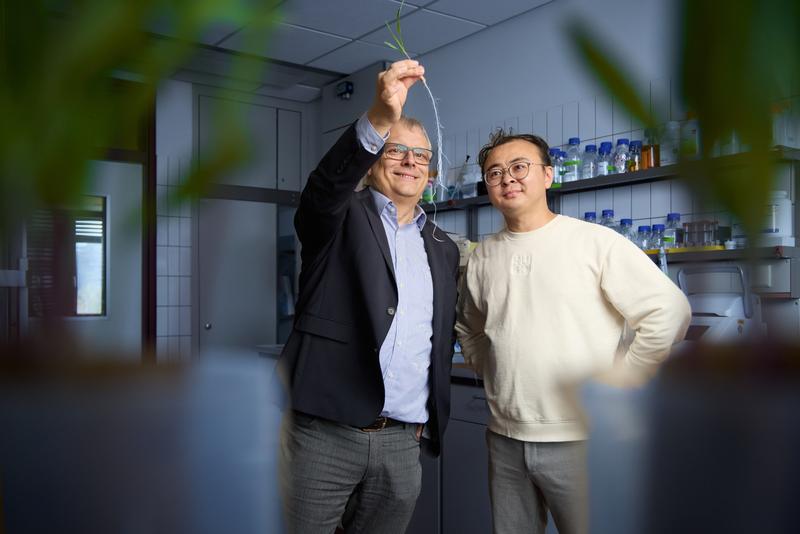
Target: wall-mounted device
(344, 90)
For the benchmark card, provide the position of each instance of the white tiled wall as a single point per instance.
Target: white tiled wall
(594, 120)
(173, 264)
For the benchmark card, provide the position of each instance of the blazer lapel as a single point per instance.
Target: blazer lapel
(365, 197)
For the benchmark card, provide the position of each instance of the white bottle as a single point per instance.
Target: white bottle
(621, 155)
(608, 219)
(589, 164)
(604, 163)
(572, 164)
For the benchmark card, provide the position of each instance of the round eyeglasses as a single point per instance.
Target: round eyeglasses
(518, 170)
(396, 151)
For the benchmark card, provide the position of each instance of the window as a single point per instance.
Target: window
(67, 260)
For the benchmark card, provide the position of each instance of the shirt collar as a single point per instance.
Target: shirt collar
(382, 202)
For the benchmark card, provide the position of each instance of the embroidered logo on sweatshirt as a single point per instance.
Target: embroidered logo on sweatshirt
(521, 264)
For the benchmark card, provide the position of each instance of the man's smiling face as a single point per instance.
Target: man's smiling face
(401, 180)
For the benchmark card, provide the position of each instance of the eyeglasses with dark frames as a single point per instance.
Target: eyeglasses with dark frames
(396, 151)
(518, 170)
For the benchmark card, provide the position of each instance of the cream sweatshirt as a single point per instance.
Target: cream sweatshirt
(541, 311)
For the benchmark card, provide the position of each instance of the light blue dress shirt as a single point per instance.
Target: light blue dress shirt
(405, 355)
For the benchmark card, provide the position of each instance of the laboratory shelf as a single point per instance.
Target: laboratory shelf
(760, 253)
(629, 178)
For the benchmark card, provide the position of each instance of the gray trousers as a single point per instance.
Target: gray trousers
(330, 472)
(526, 479)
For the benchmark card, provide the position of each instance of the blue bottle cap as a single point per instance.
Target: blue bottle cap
(608, 213)
(606, 144)
(644, 229)
(622, 141)
(626, 222)
(591, 148)
(590, 214)
(574, 140)
(658, 227)
(637, 144)
(673, 216)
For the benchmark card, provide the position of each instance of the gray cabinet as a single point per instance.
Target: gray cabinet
(427, 517)
(465, 465)
(465, 488)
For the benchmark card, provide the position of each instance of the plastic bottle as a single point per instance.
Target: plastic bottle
(563, 157)
(673, 232)
(608, 219)
(590, 216)
(572, 163)
(657, 236)
(605, 165)
(554, 152)
(626, 229)
(621, 155)
(634, 157)
(589, 163)
(643, 237)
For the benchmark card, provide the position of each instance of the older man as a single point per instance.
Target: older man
(368, 361)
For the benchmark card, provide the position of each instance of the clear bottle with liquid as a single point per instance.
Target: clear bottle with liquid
(626, 229)
(589, 162)
(621, 155)
(572, 163)
(556, 161)
(635, 156)
(605, 163)
(643, 237)
(607, 219)
(590, 217)
(657, 236)
(673, 231)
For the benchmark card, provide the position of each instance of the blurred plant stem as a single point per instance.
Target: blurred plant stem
(735, 61)
(58, 101)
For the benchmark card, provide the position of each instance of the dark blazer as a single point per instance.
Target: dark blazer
(348, 295)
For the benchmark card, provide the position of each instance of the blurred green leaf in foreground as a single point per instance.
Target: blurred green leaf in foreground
(735, 62)
(60, 104)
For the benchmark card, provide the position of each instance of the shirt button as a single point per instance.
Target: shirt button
(390, 310)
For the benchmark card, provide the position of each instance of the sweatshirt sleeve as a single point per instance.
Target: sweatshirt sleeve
(654, 307)
(470, 321)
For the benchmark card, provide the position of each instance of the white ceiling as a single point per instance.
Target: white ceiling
(332, 38)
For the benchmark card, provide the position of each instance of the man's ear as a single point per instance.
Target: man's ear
(548, 177)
